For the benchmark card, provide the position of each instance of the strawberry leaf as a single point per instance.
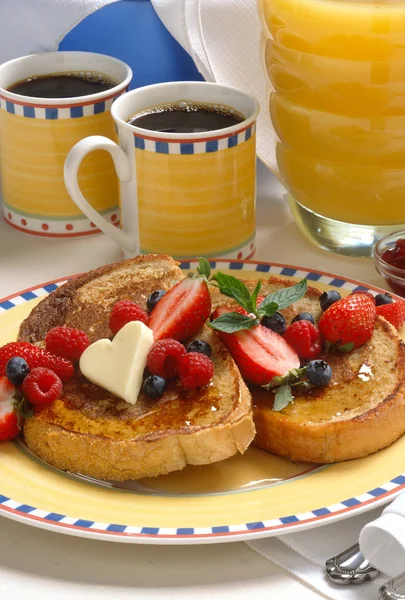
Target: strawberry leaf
(346, 347)
(232, 322)
(204, 268)
(234, 288)
(286, 296)
(283, 398)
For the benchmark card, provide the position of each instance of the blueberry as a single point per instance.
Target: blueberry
(276, 322)
(17, 370)
(201, 347)
(318, 372)
(154, 299)
(381, 299)
(304, 316)
(329, 298)
(154, 386)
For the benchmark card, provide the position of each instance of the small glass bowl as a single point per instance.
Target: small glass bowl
(394, 276)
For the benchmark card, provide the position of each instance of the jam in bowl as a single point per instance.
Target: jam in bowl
(389, 257)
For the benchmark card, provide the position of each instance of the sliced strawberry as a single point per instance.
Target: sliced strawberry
(349, 321)
(260, 353)
(394, 313)
(8, 417)
(182, 311)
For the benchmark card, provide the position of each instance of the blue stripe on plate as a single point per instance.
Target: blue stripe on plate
(263, 268)
(351, 502)
(150, 530)
(290, 519)
(185, 531)
(56, 517)
(337, 282)
(257, 525)
(116, 528)
(184, 265)
(50, 287)
(287, 271)
(236, 266)
(25, 508)
(319, 512)
(7, 305)
(377, 492)
(83, 523)
(28, 296)
(313, 276)
(222, 529)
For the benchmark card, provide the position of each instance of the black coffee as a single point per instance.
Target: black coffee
(186, 117)
(61, 85)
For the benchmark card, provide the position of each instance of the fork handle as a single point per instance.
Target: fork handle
(392, 589)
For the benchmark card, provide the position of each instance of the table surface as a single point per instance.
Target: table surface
(40, 564)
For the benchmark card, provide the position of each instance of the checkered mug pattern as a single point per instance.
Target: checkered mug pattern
(187, 194)
(38, 133)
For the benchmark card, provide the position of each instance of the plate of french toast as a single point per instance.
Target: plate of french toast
(152, 401)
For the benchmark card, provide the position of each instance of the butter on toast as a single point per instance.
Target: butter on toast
(90, 431)
(361, 411)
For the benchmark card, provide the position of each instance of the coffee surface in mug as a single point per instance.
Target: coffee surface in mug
(185, 116)
(63, 85)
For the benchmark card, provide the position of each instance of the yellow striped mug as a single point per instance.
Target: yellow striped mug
(36, 135)
(186, 194)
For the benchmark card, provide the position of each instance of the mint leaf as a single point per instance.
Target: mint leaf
(286, 296)
(204, 267)
(234, 288)
(283, 398)
(268, 310)
(256, 292)
(232, 322)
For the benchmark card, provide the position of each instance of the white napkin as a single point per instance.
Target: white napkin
(382, 541)
(223, 38)
(29, 26)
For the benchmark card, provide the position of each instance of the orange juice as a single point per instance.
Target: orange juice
(338, 71)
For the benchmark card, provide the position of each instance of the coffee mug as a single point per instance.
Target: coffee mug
(37, 134)
(187, 194)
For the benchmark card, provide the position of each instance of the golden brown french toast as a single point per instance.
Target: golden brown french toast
(90, 431)
(360, 411)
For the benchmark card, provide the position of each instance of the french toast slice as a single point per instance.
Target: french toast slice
(90, 431)
(361, 411)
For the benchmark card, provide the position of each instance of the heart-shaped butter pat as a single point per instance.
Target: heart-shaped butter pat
(118, 365)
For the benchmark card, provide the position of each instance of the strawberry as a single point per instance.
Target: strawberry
(394, 313)
(260, 353)
(35, 357)
(349, 321)
(9, 427)
(305, 338)
(182, 311)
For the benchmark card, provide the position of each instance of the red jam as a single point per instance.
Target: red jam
(396, 258)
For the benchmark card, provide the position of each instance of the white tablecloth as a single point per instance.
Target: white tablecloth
(38, 564)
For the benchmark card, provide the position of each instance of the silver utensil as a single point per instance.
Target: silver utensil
(350, 567)
(393, 588)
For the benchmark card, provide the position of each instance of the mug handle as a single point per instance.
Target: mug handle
(127, 237)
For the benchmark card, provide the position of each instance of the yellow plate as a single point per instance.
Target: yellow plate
(245, 497)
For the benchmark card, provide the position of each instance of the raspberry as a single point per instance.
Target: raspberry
(305, 338)
(36, 357)
(124, 312)
(41, 387)
(394, 313)
(67, 342)
(163, 358)
(195, 370)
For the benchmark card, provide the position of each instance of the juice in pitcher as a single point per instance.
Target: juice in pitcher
(337, 69)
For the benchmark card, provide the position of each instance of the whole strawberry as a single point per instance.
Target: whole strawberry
(393, 312)
(67, 342)
(35, 357)
(349, 322)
